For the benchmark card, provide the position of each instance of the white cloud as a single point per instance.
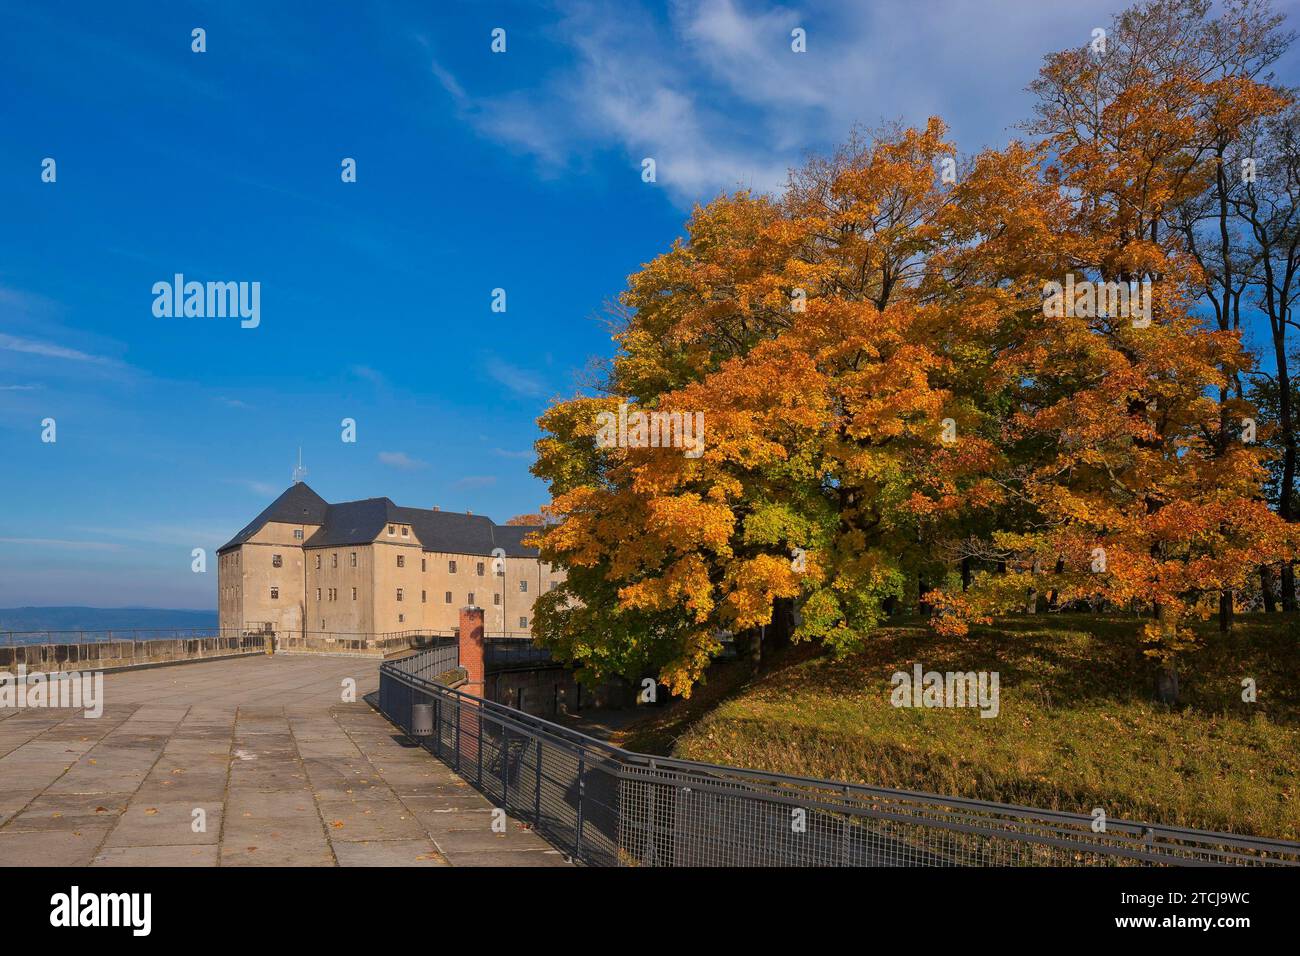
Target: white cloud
(518, 380)
(400, 459)
(13, 343)
(718, 98)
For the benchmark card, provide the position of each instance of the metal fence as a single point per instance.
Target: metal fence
(611, 807)
(505, 653)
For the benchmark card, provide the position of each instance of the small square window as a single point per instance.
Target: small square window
(479, 569)
(554, 584)
(399, 594)
(318, 594)
(297, 534)
(354, 594)
(523, 586)
(276, 561)
(523, 622)
(392, 530)
(496, 598)
(354, 559)
(401, 618)
(451, 567)
(275, 594)
(471, 598)
(401, 560)
(406, 532)
(448, 597)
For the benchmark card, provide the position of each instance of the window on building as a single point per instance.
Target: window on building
(554, 584)
(318, 594)
(275, 594)
(424, 596)
(471, 598)
(297, 534)
(496, 598)
(523, 622)
(406, 532)
(448, 597)
(392, 530)
(479, 569)
(354, 559)
(399, 594)
(276, 561)
(423, 566)
(318, 562)
(334, 560)
(523, 586)
(354, 594)
(401, 560)
(401, 618)
(451, 567)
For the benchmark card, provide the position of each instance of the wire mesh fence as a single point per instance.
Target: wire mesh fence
(610, 807)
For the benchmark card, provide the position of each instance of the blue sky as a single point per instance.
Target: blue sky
(475, 171)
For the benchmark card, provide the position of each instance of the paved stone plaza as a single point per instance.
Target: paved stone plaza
(285, 773)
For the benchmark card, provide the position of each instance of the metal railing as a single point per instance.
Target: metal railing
(15, 638)
(611, 807)
(504, 653)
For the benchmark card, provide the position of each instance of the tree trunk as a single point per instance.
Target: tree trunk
(1031, 598)
(1266, 588)
(1225, 611)
(965, 573)
(1288, 588)
(922, 587)
(1167, 684)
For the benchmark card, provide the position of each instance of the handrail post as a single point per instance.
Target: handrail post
(537, 793)
(582, 796)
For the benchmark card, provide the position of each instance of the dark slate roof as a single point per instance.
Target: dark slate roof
(298, 505)
(360, 522)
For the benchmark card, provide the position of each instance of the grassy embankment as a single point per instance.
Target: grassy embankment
(1077, 728)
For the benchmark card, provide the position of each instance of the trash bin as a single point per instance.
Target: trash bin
(422, 720)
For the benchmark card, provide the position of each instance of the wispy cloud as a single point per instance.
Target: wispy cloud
(19, 388)
(521, 381)
(401, 460)
(476, 481)
(520, 455)
(261, 488)
(233, 402)
(718, 98)
(13, 343)
(371, 375)
(63, 543)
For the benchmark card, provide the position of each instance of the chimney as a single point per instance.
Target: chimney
(470, 641)
(436, 508)
(468, 512)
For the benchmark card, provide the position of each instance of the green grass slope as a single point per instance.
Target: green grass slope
(1077, 727)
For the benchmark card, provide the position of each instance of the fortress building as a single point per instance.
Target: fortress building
(369, 567)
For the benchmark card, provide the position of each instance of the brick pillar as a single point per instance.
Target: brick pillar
(471, 649)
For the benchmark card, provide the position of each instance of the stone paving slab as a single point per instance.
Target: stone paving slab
(285, 771)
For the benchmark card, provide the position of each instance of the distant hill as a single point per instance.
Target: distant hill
(100, 618)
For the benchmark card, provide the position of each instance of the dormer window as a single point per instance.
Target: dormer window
(297, 534)
(392, 530)
(406, 532)
(451, 567)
